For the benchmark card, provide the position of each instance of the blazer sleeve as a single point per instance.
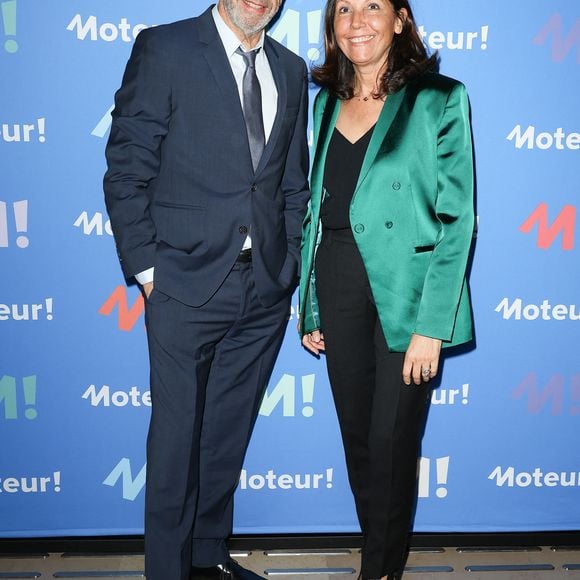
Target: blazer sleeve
(445, 279)
(309, 314)
(295, 178)
(140, 122)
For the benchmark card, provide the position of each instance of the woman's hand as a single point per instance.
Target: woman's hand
(314, 342)
(421, 359)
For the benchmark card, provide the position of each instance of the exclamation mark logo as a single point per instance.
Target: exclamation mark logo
(484, 35)
(307, 395)
(29, 385)
(21, 219)
(3, 225)
(442, 474)
(42, 129)
(56, 477)
(314, 19)
(329, 476)
(424, 468)
(465, 394)
(9, 19)
(48, 304)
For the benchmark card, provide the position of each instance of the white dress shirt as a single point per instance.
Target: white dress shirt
(269, 93)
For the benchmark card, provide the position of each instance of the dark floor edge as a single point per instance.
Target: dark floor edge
(134, 544)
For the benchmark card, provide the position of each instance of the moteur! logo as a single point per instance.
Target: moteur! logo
(444, 397)
(90, 28)
(561, 46)
(531, 138)
(131, 487)
(104, 124)
(272, 480)
(8, 10)
(28, 311)
(105, 396)
(32, 484)
(433, 476)
(461, 40)
(14, 223)
(95, 225)
(285, 392)
(18, 395)
(564, 223)
(517, 309)
(558, 395)
(127, 316)
(537, 477)
(24, 132)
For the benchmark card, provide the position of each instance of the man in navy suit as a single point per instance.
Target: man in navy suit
(206, 189)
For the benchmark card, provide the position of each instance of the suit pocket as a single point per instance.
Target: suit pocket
(156, 297)
(171, 204)
(181, 226)
(422, 249)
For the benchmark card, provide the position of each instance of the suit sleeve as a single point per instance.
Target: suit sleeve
(309, 313)
(445, 279)
(295, 178)
(140, 122)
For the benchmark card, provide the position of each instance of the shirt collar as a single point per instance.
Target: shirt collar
(228, 37)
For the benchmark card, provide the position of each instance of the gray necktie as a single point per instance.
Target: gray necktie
(252, 102)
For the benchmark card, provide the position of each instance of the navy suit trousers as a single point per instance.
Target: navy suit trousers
(209, 369)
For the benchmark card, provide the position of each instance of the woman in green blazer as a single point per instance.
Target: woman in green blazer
(385, 247)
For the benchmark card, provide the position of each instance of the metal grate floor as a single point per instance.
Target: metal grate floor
(501, 563)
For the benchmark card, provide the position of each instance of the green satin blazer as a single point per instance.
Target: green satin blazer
(411, 214)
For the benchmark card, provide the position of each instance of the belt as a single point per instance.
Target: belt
(245, 256)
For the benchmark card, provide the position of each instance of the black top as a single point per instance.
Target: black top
(343, 164)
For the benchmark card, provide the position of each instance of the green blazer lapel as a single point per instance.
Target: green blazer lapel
(388, 113)
(327, 123)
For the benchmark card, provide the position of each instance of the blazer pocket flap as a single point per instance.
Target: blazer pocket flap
(176, 205)
(182, 228)
(422, 248)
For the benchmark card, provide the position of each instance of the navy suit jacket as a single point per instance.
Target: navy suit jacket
(180, 188)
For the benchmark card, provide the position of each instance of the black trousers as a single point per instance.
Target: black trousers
(381, 419)
(209, 369)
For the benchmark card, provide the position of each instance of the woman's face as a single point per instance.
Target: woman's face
(364, 30)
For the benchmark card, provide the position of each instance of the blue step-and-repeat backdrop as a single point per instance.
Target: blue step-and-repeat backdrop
(501, 448)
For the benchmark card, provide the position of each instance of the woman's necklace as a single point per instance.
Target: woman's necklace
(368, 97)
(361, 98)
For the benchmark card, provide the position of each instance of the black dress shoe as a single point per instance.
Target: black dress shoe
(231, 570)
(212, 573)
(391, 576)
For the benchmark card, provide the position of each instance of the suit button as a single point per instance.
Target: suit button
(388, 225)
(253, 188)
(359, 228)
(396, 185)
(243, 230)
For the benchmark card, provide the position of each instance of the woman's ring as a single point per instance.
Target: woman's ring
(425, 372)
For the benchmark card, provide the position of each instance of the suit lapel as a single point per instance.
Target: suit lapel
(327, 124)
(380, 133)
(222, 74)
(281, 83)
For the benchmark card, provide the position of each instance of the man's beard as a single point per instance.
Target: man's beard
(247, 26)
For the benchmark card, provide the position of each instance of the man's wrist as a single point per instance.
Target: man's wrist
(145, 277)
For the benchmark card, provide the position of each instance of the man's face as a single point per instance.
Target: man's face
(250, 17)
